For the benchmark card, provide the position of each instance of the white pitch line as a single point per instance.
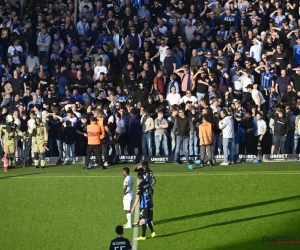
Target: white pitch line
(158, 175)
(135, 229)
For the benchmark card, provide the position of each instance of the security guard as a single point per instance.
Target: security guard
(8, 133)
(39, 135)
(94, 133)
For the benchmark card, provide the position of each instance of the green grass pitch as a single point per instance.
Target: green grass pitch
(220, 207)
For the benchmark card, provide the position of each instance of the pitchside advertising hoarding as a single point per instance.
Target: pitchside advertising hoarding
(119, 159)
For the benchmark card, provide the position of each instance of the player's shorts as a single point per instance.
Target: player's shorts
(127, 203)
(145, 213)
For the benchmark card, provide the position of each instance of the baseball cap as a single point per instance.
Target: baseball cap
(235, 100)
(83, 44)
(249, 86)
(86, 6)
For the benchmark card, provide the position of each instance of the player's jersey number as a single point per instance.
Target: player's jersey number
(120, 248)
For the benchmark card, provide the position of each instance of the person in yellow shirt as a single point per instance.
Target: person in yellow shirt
(94, 135)
(206, 140)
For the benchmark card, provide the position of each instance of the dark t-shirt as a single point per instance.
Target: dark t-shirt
(111, 126)
(55, 128)
(120, 243)
(80, 84)
(283, 82)
(168, 64)
(81, 127)
(201, 88)
(17, 84)
(44, 83)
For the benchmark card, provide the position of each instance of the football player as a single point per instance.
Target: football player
(127, 196)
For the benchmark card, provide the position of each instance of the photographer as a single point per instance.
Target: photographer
(15, 51)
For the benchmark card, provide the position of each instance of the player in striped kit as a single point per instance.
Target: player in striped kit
(144, 199)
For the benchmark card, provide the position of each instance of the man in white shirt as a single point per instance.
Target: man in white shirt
(227, 126)
(117, 38)
(173, 98)
(85, 2)
(32, 62)
(189, 97)
(258, 98)
(255, 50)
(15, 51)
(127, 196)
(71, 118)
(161, 51)
(246, 79)
(261, 131)
(99, 69)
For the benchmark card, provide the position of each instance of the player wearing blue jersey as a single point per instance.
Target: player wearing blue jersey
(148, 177)
(144, 198)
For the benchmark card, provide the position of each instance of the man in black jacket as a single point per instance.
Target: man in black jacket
(281, 129)
(140, 95)
(289, 97)
(184, 131)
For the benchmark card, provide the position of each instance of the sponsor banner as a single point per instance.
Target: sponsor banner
(238, 158)
(159, 159)
(281, 157)
(246, 158)
(119, 159)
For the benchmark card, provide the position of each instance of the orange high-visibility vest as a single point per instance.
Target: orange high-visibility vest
(100, 123)
(205, 133)
(94, 132)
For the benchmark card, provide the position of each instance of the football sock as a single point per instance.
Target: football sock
(128, 215)
(151, 214)
(150, 225)
(143, 229)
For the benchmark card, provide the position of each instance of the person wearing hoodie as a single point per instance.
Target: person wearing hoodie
(227, 126)
(140, 94)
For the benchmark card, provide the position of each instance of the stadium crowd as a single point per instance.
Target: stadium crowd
(153, 70)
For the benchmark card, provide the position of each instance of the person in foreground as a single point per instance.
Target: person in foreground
(144, 197)
(120, 242)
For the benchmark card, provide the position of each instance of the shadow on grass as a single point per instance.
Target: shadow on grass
(228, 209)
(16, 176)
(288, 232)
(231, 222)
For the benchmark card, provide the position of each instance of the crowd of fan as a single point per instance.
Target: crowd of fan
(152, 69)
